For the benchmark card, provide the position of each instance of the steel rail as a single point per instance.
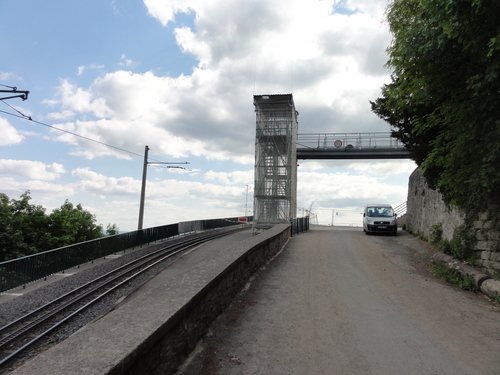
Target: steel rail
(100, 282)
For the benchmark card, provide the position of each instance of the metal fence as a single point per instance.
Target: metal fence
(299, 225)
(340, 141)
(21, 271)
(400, 210)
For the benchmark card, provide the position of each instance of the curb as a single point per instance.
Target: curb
(485, 283)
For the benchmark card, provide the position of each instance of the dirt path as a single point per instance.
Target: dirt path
(336, 301)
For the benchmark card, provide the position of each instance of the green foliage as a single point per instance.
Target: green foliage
(496, 298)
(26, 229)
(463, 243)
(443, 100)
(23, 227)
(70, 224)
(454, 277)
(436, 233)
(496, 275)
(112, 230)
(460, 247)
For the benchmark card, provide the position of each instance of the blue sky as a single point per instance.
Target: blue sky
(180, 77)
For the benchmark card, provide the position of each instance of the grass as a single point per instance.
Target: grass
(454, 277)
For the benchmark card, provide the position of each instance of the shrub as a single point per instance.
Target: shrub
(436, 233)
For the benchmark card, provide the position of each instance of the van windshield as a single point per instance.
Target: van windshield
(380, 212)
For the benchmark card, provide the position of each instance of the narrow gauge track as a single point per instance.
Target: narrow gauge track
(22, 333)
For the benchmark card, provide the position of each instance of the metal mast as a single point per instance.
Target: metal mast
(143, 187)
(275, 194)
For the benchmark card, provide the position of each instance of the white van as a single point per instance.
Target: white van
(379, 218)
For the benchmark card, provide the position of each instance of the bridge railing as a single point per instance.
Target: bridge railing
(400, 210)
(342, 141)
(21, 271)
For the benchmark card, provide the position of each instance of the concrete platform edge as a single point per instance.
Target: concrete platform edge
(166, 339)
(167, 348)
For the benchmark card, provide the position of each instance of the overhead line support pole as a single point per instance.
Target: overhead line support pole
(143, 189)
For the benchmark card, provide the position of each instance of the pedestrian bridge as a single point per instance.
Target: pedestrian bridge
(350, 146)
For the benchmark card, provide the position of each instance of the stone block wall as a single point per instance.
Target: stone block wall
(487, 247)
(426, 208)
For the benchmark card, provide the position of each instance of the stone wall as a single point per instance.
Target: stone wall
(426, 208)
(487, 248)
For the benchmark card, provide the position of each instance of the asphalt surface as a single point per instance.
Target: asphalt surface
(337, 301)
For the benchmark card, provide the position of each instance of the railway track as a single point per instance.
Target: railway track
(18, 336)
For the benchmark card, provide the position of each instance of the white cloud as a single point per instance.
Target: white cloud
(329, 54)
(31, 169)
(9, 76)
(100, 184)
(103, 185)
(10, 135)
(332, 62)
(231, 178)
(385, 167)
(63, 115)
(45, 190)
(126, 62)
(346, 190)
(164, 11)
(82, 68)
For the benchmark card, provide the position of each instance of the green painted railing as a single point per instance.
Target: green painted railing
(19, 272)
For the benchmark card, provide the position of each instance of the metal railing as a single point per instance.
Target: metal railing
(299, 225)
(400, 210)
(21, 271)
(342, 141)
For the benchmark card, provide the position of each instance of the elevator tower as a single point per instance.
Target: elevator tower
(275, 189)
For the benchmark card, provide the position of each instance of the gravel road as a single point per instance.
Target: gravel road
(336, 301)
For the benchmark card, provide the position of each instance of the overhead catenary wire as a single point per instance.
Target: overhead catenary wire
(170, 156)
(29, 118)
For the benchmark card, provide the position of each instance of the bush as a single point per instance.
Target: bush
(463, 243)
(436, 234)
(461, 246)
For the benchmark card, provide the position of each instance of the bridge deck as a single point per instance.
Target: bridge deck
(350, 146)
(304, 153)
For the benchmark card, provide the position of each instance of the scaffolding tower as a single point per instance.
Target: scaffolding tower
(275, 189)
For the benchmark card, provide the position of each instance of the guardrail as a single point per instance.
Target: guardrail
(21, 271)
(299, 225)
(400, 210)
(342, 141)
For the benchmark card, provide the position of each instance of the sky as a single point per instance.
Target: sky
(106, 78)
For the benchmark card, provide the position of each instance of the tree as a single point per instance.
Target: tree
(112, 230)
(70, 224)
(443, 101)
(26, 229)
